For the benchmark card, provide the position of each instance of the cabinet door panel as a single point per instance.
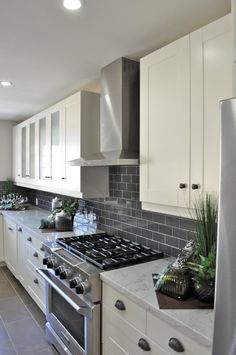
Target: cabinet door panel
(211, 73)
(16, 167)
(165, 125)
(71, 143)
(10, 246)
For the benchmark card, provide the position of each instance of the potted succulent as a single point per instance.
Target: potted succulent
(203, 261)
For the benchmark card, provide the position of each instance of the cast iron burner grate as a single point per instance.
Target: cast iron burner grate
(108, 252)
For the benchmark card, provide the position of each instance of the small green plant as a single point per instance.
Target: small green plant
(206, 211)
(203, 261)
(204, 269)
(68, 206)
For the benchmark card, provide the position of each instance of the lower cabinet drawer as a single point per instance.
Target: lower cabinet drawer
(161, 332)
(36, 285)
(121, 338)
(34, 256)
(132, 313)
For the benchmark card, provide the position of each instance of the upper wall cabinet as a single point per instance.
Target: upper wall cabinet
(56, 137)
(181, 86)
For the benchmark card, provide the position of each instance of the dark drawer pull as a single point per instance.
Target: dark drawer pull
(10, 229)
(195, 186)
(42, 248)
(36, 281)
(29, 239)
(63, 178)
(176, 345)
(120, 305)
(48, 177)
(27, 175)
(18, 174)
(143, 344)
(35, 255)
(19, 229)
(182, 186)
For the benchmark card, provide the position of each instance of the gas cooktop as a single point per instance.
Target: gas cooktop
(108, 252)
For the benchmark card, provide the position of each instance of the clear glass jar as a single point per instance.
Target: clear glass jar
(176, 283)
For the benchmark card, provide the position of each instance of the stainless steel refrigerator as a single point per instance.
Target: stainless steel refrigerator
(224, 341)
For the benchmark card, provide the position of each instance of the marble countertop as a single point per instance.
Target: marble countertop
(136, 283)
(30, 219)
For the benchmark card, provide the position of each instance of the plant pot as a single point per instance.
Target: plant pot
(204, 291)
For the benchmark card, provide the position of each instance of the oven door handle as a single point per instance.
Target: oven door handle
(87, 312)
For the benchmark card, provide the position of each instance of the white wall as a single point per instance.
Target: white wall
(6, 149)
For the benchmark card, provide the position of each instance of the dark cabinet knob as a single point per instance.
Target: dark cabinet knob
(36, 281)
(42, 248)
(19, 229)
(29, 239)
(182, 186)
(195, 186)
(143, 344)
(63, 178)
(120, 305)
(176, 345)
(10, 229)
(35, 255)
(18, 174)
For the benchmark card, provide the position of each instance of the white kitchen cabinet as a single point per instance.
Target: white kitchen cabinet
(181, 86)
(28, 132)
(16, 167)
(1, 240)
(60, 135)
(165, 124)
(212, 81)
(10, 245)
(21, 255)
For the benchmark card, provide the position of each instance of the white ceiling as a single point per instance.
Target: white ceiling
(49, 53)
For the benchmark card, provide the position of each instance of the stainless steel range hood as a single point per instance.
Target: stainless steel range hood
(119, 117)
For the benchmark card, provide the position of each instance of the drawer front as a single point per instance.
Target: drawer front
(10, 225)
(34, 256)
(133, 314)
(111, 347)
(34, 242)
(36, 284)
(124, 338)
(161, 332)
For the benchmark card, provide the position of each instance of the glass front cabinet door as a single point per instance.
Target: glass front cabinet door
(28, 152)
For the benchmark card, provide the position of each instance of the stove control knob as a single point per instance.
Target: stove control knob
(73, 283)
(65, 274)
(46, 260)
(82, 288)
(52, 263)
(59, 269)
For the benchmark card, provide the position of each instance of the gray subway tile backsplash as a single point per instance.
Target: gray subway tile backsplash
(121, 213)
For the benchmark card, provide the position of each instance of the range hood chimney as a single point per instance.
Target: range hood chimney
(119, 116)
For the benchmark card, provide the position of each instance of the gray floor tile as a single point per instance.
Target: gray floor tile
(6, 347)
(2, 275)
(48, 351)
(26, 336)
(13, 309)
(37, 314)
(6, 290)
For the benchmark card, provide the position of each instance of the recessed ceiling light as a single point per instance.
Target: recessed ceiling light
(72, 4)
(5, 83)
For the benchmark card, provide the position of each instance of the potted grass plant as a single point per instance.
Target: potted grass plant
(203, 262)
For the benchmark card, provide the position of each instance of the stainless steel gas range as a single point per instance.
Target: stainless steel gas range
(73, 287)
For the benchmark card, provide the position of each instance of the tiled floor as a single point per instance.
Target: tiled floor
(21, 320)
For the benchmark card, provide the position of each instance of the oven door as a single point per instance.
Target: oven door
(76, 324)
